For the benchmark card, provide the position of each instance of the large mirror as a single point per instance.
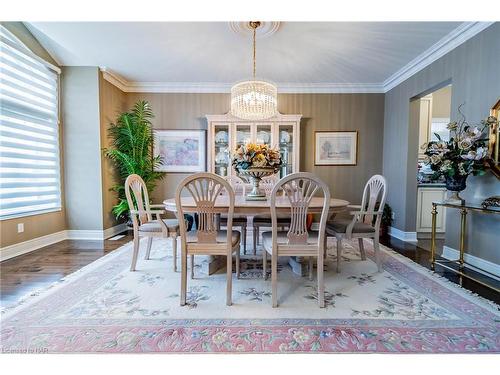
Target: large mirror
(494, 141)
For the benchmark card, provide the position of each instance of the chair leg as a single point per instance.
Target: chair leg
(238, 263)
(255, 237)
(311, 268)
(325, 247)
(378, 258)
(229, 276)
(135, 253)
(183, 276)
(244, 242)
(174, 252)
(264, 264)
(339, 253)
(148, 249)
(321, 283)
(362, 249)
(192, 267)
(274, 280)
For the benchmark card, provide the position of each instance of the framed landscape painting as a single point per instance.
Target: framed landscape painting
(181, 150)
(335, 147)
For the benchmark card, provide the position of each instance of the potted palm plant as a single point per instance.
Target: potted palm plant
(131, 151)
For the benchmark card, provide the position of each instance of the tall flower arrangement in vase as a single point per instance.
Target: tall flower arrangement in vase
(463, 154)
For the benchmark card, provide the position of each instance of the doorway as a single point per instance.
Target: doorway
(431, 114)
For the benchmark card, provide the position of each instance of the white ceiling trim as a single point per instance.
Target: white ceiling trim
(458, 36)
(451, 41)
(207, 87)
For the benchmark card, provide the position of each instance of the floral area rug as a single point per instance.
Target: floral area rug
(106, 308)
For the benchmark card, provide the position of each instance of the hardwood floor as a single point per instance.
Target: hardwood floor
(41, 268)
(420, 253)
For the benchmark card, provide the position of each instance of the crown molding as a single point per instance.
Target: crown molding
(207, 87)
(455, 38)
(451, 41)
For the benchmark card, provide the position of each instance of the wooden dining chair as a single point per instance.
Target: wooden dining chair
(365, 221)
(264, 221)
(205, 189)
(142, 212)
(299, 189)
(238, 221)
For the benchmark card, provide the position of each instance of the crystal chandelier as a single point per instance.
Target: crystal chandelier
(255, 99)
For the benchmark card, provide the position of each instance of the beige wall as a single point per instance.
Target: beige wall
(36, 225)
(112, 103)
(441, 103)
(362, 112)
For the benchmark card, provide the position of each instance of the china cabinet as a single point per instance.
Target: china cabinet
(226, 132)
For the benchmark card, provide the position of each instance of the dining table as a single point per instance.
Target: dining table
(251, 208)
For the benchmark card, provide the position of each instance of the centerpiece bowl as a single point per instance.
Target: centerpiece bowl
(252, 162)
(255, 175)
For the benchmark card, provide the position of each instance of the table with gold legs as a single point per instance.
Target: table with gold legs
(460, 262)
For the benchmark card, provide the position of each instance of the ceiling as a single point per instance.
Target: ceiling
(360, 54)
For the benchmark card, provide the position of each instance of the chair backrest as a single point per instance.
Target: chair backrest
(375, 192)
(137, 198)
(300, 188)
(205, 189)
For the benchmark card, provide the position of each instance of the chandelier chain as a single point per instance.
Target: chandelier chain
(254, 26)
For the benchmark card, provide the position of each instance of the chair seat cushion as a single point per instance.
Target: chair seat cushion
(339, 225)
(267, 238)
(155, 226)
(266, 220)
(221, 236)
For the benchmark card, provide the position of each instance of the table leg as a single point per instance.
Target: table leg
(463, 222)
(433, 236)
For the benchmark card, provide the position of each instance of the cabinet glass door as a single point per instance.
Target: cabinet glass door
(263, 134)
(243, 134)
(285, 139)
(221, 150)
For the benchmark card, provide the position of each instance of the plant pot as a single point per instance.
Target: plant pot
(455, 184)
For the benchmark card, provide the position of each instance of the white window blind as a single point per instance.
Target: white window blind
(29, 131)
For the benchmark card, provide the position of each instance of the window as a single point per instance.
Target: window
(29, 131)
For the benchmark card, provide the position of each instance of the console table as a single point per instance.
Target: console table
(464, 209)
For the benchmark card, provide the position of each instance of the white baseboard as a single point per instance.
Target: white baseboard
(403, 236)
(50, 239)
(31, 245)
(474, 263)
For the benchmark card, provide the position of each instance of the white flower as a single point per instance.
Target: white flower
(445, 166)
(424, 146)
(441, 147)
(473, 133)
(435, 159)
(465, 144)
(479, 154)
(461, 169)
(452, 126)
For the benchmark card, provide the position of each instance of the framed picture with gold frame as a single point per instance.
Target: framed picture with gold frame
(494, 141)
(335, 147)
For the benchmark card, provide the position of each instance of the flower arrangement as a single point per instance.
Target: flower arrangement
(257, 156)
(463, 154)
